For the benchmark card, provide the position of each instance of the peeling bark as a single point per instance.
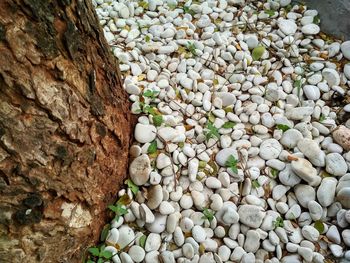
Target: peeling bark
(64, 130)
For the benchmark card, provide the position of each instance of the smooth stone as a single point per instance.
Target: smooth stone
(163, 161)
(335, 164)
(290, 138)
(165, 208)
(333, 234)
(312, 92)
(288, 177)
(126, 236)
(153, 242)
(270, 149)
(306, 253)
(146, 214)
(346, 70)
(145, 133)
(252, 241)
(336, 250)
(158, 225)
(316, 210)
(304, 194)
(312, 151)
(310, 29)
(113, 236)
(342, 136)
(188, 250)
(155, 196)
(310, 233)
(331, 76)
(346, 236)
(304, 169)
(345, 49)
(326, 191)
(140, 169)
(251, 215)
(222, 156)
(299, 113)
(136, 253)
(167, 257)
(343, 197)
(287, 26)
(199, 234)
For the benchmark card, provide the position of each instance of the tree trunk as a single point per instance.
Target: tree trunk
(64, 130)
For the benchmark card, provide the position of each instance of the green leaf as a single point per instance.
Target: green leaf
(274, 172)
(118, 210)
(231, 163)
(187, 10)
(152, 148)
(212, 131)
(316, 20)
(228, 125)
(255, 184)
(258, 52)
(148, 93)
(133, 187)
(100, 260)
(106, 254)
(157, 120)
(147, 38)
(142, 241)
(90, 261)
(211, 117)
(181, 144)
(269, 12)
(94, 251)
(282, 127)
(279, 222)
(322, 118)
(104, 232)
(191, 48)
(208, 214)
(319, 226)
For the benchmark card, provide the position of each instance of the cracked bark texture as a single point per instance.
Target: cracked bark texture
(64, 130)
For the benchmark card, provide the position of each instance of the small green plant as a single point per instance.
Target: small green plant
(274, 172)
(187, 10)
(150, 94)
(231, 163)
(322, 118)
(152, 148)
(132, 186)
(319, 226)
(157, 120)
(191, 48)
(298, 84)
(282, 127)
(255, 184)
(147, 38)
(316, 20)
(211, 132)
(279, 222)
(270, 12)
(228, 125)
(99, 254)
(119, 210)
(142, 241)
(208, 214)
(258, 52)
(104, 232)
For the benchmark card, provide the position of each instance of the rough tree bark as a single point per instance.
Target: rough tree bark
(64, 130)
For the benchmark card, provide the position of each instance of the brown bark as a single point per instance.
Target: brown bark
(64, 130)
